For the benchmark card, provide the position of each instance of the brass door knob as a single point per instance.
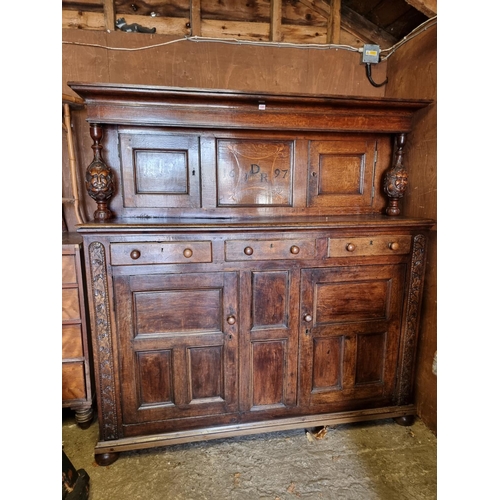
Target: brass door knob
(308, 318)
(231, 320)
(187, 253)
(294, 249)
(350, 247)
(248, 250)
(135, 254)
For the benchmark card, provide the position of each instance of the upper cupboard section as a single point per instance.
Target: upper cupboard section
(165, 172)
(174, 152)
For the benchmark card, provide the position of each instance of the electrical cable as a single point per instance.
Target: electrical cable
(415, 32)
(232, 41)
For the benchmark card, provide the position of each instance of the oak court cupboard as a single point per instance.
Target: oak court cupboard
(248, 266)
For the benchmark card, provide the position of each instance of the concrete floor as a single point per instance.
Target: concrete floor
(364, 461)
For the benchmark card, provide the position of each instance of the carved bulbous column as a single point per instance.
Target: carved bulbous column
(99, 180)
(396, 179)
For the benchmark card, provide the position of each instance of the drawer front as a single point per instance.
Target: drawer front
(71, 310)
(72, 341)
(183, 252)
(73, 381)
(68, 269)
(368, 246)
(240, 250)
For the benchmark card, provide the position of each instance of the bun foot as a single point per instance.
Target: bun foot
(405, 420)
(104, 459)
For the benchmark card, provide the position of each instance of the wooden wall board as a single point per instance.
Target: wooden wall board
(212, 65)
(412, 73)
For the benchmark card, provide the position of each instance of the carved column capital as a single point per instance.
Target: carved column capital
(99, 180)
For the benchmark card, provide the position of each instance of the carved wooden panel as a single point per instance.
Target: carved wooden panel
(350, 333)
(254, 172)
(342, 174)
(160, 170)
(178, 344)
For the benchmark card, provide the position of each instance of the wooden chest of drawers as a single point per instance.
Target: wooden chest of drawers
(246, 270)
(77, 369)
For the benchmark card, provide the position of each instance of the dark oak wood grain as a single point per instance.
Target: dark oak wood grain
(280, 297)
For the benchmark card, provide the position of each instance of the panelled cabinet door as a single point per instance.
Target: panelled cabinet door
(178, 345)
(269, 339)
(350, 330)
(342, 173)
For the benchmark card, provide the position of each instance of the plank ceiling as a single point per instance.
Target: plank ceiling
(349, 22)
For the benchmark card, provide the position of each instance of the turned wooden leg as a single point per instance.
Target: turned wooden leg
(405, 420)
(84, 417)
(104, 459)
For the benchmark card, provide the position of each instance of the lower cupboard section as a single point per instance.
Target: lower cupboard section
(193, 355)
(219, 350)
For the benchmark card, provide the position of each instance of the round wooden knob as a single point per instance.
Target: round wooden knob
(248, 250)
(135, 254)
(187, 253)
(308, 318)
(294, 249)
(394, 245)
(350, 247)
(231, 320)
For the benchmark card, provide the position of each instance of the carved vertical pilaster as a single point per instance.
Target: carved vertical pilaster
(396, 179)
(99, 177)
(102, 325)
(410, 328)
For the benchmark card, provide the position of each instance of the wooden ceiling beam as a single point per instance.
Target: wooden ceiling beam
(426, 7)
(275, 28)
(366, 30)
(333, 25)
(195, 17)
(109, 15)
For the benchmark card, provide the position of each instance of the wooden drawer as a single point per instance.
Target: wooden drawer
(72, 341)
(369, 245)
(69, 272)
(73, 381)
(237, 250)
(71, 308)
(183, 252)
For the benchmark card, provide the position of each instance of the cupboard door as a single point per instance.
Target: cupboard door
(342, 174)
(350, 329)
(178, 345)
(159, 170)
(269, 339)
